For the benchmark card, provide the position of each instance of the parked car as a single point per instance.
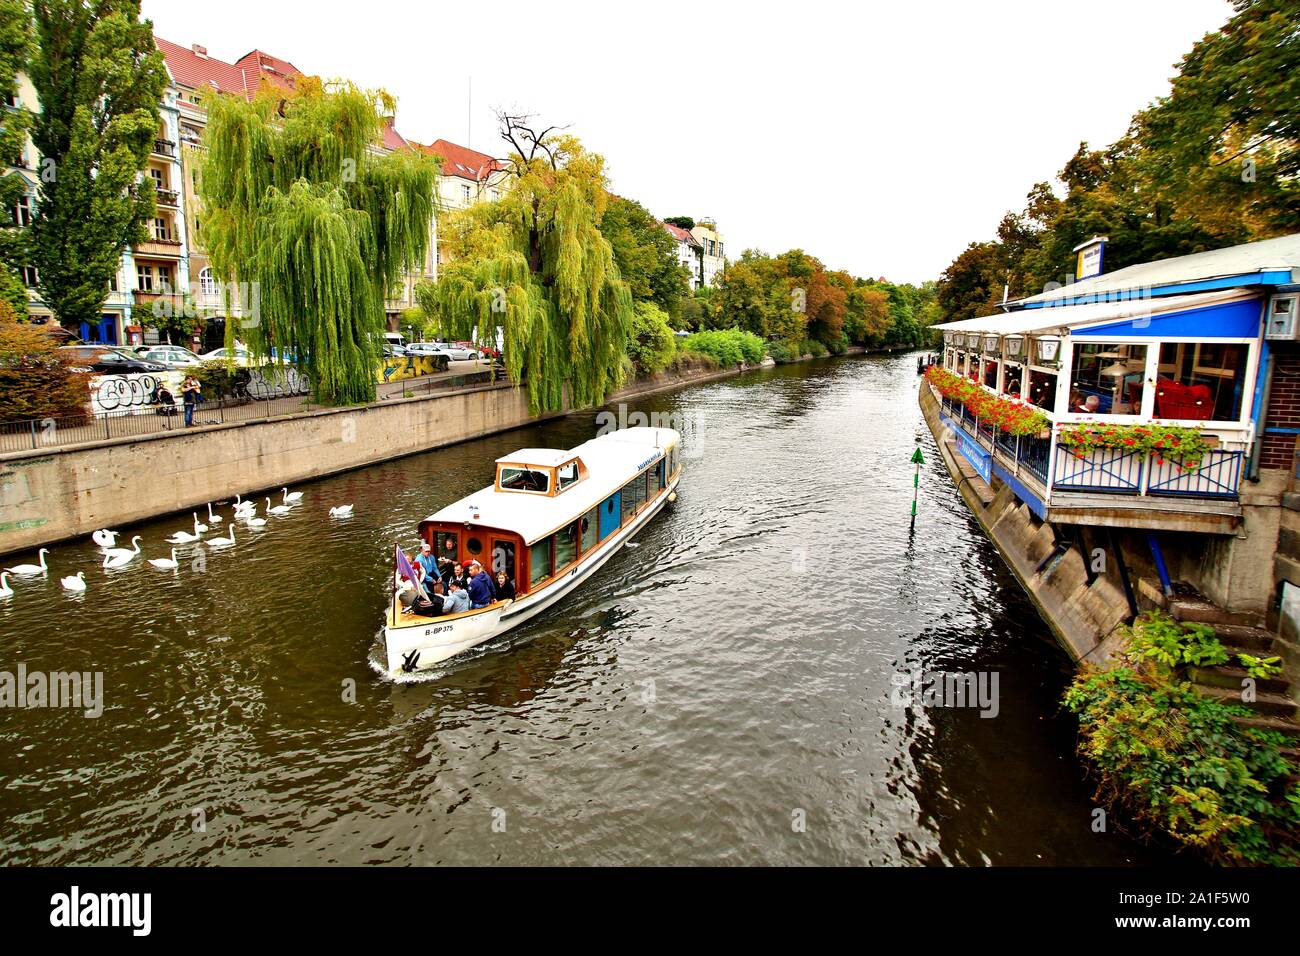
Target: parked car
(172, 356)
(242, 357)
(393, 351)
(103, 360)
(441, 360)
(458, 351)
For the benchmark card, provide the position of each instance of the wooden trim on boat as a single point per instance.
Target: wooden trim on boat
(404, 618)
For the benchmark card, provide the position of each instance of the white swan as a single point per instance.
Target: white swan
(76, 583)
(5, 590)
(198, 528)
(342, 511)
(223, 542)
(104, 538)
(166, 564)
(243, 507)
(121, 557)
(276, 509)
(291, 496)
(253, 521)
(184, 537)
(31, 570)
(213, 516)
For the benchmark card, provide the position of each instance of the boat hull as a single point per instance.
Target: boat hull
(415, 644)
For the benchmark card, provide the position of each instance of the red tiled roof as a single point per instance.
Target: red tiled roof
(196, 70)
(395, 140)
(462, 161)
(680, 234)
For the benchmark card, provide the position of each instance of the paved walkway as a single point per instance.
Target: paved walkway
(50, 434)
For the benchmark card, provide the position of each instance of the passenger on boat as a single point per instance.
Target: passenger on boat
(457, 600)
(431, 605)
(505, 587)
(459, 576)
(481, 593)
(428, 564)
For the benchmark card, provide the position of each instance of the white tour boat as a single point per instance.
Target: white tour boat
(550, 520)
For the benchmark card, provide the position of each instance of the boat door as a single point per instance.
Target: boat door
(503, 557)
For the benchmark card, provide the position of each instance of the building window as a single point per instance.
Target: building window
(144, 278)
(1201, 381)
(160, 230)
(157, 175)
(1106, 378)
(207, 284)
(23, 211)
(11, 100)
(29, 276)
(464, 193)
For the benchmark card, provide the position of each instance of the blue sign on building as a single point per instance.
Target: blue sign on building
(981, 458)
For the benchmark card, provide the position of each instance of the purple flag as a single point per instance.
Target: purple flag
(404, 568)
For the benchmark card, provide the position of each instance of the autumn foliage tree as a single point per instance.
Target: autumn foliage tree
(536, 265)
(36, 380)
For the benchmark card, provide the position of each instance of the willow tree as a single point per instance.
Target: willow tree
(299, 199)
(535, 265)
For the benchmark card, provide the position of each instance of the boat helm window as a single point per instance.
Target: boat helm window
(566, 475)
(524, 479)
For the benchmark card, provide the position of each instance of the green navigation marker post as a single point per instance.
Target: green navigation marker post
(918, 460)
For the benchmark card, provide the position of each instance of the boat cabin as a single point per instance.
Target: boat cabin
(548, 510)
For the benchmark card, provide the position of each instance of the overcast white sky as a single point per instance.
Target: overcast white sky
(881, 137)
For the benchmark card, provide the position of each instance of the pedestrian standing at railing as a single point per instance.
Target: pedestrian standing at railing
(190, 390)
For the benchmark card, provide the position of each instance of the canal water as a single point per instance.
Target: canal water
(733, 689)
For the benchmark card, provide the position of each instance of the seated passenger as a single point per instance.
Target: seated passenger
(458, 575)
(481, 593)
(505, 587)
(431, 605)
(456, 601)
(1089, 405)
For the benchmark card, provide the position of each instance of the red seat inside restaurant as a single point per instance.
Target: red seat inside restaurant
(1188, 402)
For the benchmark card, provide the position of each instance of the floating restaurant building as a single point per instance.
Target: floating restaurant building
(1165, 407)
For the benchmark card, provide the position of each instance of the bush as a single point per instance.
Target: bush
(36, 380)
(816, 349)
(221, 379)
(652, 345)
(1179, 761)
(727, 346)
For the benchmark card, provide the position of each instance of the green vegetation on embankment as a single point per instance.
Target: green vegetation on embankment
(1177, 759)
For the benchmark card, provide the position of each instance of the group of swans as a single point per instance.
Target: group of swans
(115, 557)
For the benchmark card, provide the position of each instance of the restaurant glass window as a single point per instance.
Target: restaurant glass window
(539, 561)
(990, 373)
(1012, 379)
(1106, 378)
(1201, 381)
(566, 545)
(589, 530)
(1042, 390)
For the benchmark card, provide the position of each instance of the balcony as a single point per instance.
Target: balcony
(1105, 486)
(159, 248)
(167, 197)
(164, 147)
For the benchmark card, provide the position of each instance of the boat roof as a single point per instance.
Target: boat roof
(541, 457)
(612, 460)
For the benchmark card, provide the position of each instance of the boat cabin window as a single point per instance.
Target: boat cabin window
(589, 523)
(1106, 378)
(514, 478)
(566, 475)
(633, 495)
(566, 545)
(1201, 381)
(539, 562)
(447, 545)
(1042, 389)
